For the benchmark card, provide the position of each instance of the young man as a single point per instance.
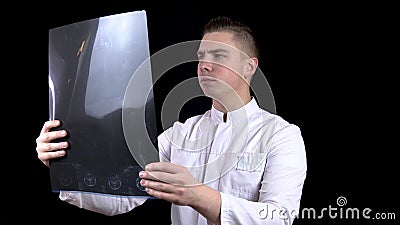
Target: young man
(234, 164)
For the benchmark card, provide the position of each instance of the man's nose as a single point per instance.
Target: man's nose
(205, 66)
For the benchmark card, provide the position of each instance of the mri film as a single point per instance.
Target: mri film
(90, 65)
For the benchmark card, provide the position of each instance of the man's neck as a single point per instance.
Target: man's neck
(228, 106)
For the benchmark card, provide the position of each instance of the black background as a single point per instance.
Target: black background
(330, 67)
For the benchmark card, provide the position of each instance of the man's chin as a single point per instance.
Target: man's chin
(211, 92)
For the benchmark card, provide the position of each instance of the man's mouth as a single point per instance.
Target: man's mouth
(207, 79)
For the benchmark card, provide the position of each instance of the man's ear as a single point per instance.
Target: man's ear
(251, 67)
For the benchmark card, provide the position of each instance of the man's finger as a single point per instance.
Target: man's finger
(156, 185)
(48, 125)
(158, 176)
(163, 167)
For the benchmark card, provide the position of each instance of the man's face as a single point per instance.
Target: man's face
(221, 66)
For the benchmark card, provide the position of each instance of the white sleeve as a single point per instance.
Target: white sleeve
(235, 211)
(109, 205)
(281, 187)
(164, 145)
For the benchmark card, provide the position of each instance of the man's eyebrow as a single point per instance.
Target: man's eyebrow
(213, 51)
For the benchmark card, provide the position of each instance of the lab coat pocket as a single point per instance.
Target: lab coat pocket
(251, 162)
(244, 180)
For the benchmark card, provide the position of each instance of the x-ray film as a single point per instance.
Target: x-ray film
(91, 64)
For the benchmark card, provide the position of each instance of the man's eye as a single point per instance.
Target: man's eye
(219, 56)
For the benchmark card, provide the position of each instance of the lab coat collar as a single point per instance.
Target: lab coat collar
(246, 111)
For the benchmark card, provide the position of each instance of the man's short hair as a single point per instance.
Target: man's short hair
(242, 34)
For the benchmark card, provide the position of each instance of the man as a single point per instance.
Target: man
(235, 164)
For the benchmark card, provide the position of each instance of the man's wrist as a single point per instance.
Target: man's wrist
(207, 202)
